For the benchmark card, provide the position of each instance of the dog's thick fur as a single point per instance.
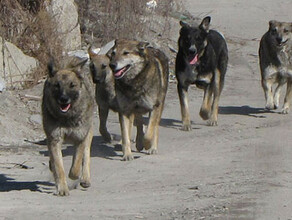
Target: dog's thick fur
(275, 54)
(105, 89)
(202, 60)
(141, 81)
(105, 95)
(67, 109)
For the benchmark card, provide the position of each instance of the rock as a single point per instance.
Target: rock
(66, 15)
(15, 66)
(36, 119)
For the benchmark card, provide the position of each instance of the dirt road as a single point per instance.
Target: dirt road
(240, 169)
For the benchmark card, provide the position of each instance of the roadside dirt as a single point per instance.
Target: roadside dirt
(240, 169)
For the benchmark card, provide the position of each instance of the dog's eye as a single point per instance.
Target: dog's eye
(113, 53)
(103, 66)
(126, 53)
(274, 31)
(72, 85)
(286, 30)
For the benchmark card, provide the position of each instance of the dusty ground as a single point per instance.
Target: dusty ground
(238, 170)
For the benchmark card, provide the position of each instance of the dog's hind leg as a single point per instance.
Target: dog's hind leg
(85, 180)
(103, 114)
(125, 123)
(288, 97)
(184, 106)
(57, 167)
(140, 132)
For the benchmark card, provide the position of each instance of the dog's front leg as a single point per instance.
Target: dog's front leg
(267, 87)
(184, 106)
(277, 93)
(151, 137)
(288, 97)
(125, 123)
(57, 167)
(206, 105)
(103, 114)
(213, 121)
(85, 180)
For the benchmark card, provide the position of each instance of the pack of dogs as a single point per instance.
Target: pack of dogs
(131, 78)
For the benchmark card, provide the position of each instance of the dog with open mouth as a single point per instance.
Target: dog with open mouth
(67, 109)
(275, 55)
(202, 60)
(105, 95)
(141, 80)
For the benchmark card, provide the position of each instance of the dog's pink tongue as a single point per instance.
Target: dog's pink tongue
(65, 108)
(119, 72)
(194, 60)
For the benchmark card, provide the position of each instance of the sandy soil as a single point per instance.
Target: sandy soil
(240, 169)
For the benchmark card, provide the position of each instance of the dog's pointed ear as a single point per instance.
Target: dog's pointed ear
(272, 24)
(205, 24)
(93, 51)
(184, 24)
(142, 46)
(51, 68)
(77, 63)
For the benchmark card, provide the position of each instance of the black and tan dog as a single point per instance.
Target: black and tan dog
(67, 109)
(202, 60)
(275, 54)
(141, 81)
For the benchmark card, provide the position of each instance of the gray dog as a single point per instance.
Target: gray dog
(67, 108)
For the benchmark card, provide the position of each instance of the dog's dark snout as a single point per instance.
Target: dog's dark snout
(279, 39)
(64, 99)
(192, 50)
(113, 65)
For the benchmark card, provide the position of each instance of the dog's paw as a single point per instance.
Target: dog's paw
(128, 157)
(285, 111)
(74, 175)
(62, 190)
(152, 151)
(106, 136)
(271, 106)
(205, 114)
(147, 143)
(85, 184)
(187, 127)
(212, 123)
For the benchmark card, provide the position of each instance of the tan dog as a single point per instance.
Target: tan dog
(67, 109)
(275, 54)
(141, 81)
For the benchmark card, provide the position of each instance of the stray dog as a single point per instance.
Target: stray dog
(105, 94)
(105, 89)
(202, 60)
(141, 80)
(275, 55)
(67, 109)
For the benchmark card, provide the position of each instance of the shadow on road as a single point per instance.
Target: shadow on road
(243, 110)
(8, 184)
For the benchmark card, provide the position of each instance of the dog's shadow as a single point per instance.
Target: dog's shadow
(98, 149)
(244, 110)
(8, 184)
